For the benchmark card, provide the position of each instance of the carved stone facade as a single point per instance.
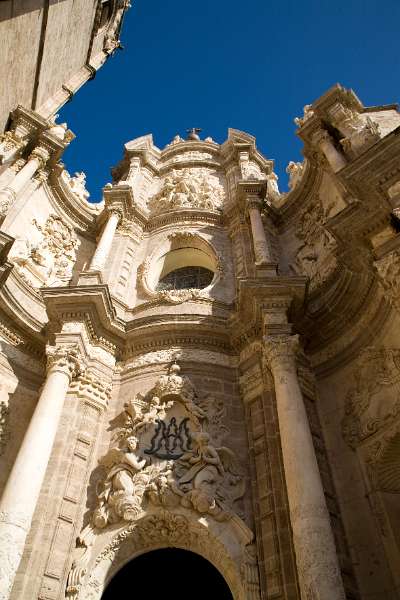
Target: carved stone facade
(202, 362)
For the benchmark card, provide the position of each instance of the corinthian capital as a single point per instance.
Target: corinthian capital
(280, 350)
(321, 136)
(253, 202)
(65, 358)
(41, 154)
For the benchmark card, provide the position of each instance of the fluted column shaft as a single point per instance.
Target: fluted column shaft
(316, 558)
(23, 487)
(104, 246)
(260, 242)
(37, 159)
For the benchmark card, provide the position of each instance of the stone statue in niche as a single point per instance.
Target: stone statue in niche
(193, 188)
(48, 257)
(165, 454)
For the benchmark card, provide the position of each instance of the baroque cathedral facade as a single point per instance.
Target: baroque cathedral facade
(199, 361)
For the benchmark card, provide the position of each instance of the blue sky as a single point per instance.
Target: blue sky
(214, 64)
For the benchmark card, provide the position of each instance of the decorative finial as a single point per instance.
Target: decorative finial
(193, 133)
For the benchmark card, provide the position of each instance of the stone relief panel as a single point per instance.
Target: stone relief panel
(48, 256)
(388, 269)
(195, 187)
(374, 401)
(315, 257)
(166, 454)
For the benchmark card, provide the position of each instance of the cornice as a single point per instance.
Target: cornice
(81, 213)
(194, 331)
(259, 295)
(377, 168)
(90, 303)
(21, 302)
(297, 199)
(122, 197)
(187, 216)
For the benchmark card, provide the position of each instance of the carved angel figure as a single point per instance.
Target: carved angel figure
(295, 171)
(123, 489)
(209, 478)
(139, 416)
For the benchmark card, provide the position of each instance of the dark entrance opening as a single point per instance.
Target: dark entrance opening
(168, 574)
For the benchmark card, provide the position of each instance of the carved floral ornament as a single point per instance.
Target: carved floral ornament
(66, 358)
(149, 271)
(165, 472)
(374, 401)
(188, 188)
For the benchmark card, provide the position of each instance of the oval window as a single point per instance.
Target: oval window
(186, 278)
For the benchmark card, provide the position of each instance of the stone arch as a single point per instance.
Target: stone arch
(164, 529)
(194, 249)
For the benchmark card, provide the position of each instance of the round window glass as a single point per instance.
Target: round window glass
(186, 278)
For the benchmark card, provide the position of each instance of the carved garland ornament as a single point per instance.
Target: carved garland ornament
(166, 455)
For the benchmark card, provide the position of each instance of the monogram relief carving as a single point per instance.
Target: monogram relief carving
(48, 256)
(189, 188)
(165, 455)
(168, 452)
(374, 400)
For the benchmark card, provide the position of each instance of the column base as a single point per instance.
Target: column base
(264, 269)
(12, 542)
(90, 278)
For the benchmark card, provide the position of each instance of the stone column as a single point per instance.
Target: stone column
(260, 242)
(324, 141)
(37, 159)
(316, 558)
(104, 246)
(23, 487)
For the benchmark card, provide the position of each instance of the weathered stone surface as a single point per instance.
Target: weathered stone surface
(251, 416)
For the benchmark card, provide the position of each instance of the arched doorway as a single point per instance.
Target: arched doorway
(169, 573)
